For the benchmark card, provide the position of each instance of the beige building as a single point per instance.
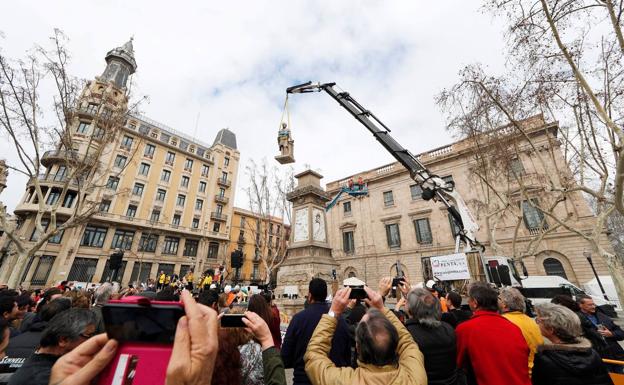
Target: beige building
(256, 237)
(166, 201)
(369, 234)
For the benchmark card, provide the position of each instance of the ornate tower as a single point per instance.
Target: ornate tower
(309, 253)
(120, 64)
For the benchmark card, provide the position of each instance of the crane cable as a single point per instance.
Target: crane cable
(285, 112)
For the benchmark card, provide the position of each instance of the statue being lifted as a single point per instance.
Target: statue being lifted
(286, 145)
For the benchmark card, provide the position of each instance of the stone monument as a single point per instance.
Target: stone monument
(4, 173)
(309, 254)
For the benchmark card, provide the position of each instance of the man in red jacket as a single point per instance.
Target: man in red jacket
(491, 349)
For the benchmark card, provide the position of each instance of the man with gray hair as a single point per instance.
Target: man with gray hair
(102, 296)
(512, 306)
(435, 339)
(65, 332)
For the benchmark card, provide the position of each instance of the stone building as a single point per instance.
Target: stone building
(255, 237)
(393, 223)
(166, 201)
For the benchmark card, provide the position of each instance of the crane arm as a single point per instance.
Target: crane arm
(432, 185)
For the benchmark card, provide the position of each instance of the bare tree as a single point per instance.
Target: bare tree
(267, 201)
(565, 61)
(41, 133)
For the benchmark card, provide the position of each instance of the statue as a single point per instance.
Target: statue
(286, 145)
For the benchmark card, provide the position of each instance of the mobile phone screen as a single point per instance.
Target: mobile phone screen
(232, 321)
(129, 322)
(358, 293)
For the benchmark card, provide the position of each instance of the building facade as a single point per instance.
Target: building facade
(393, 223)
(257, 237)
(166, 198)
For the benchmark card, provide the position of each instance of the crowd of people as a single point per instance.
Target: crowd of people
(427, 336)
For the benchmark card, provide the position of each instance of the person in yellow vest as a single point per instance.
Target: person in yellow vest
(189, 280)
(207, 281)
(512, 305)
(167, 280)
(161, 280)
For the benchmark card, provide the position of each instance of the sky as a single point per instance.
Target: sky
(209, 65)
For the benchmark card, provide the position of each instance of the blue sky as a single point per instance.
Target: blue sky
(230, 63)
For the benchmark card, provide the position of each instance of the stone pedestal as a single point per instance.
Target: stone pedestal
(309, 254)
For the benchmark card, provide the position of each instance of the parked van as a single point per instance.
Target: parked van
(543, 288)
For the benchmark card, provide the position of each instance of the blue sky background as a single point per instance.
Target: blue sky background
(230, 63)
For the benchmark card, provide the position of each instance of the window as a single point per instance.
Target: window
(144, 169)
(140, 272)
(449, 179)
(92, 108)
(149, 150)
(99, 133)
(254, 273)
(120, 161)
(170, 158)
(184, 145)
(213, 250)
(105, 206)
(126, 142)
(199, 204)
(171, 245)
(70, 196)
(205, 169)
(143, 129)
(165, 137)
(416, 192)
(188, 164)
(82, 269)
(185, 181)
(219, 209)
(221, 192)
(34, 237)
(388, 198)
(56, 238)
(148, 242)
(423, 231)
(226, 162)
(176, 220)
(131, 211)
(190, 248)
(53, 197)
(243, 221)
(83, 128)
(165, 176)
(224, 176)
(107, 274)
(347, 208)
(553, 266)
(138, 189)
(122, 239)
(348, 245)
(93, 236)
(155, 215)
(195, 223)
(160, 194)
(393, 236)
(40, 276)
(60, 173)
(202, 187)
(216, 227)
(533, 216)
(181, 200)
(515, 167)
(112, 182)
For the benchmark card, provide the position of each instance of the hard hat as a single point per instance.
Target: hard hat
(213, 286)
(430, 283)
(227, 289)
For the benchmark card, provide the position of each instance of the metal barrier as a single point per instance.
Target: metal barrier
(617, 378)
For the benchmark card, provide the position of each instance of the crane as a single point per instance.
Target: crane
(433, 187)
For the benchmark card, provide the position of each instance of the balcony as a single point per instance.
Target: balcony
(224, 182)
(221, 199)
(69, 156)
(218, 216)
(52, 179)
(87, 112)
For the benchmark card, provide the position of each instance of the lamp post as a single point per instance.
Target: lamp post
(589, 259)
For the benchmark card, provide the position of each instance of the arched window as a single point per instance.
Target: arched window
(351, 274)
(553, 266)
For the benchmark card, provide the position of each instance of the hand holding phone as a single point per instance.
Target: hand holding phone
(232, 321)
(357, 293)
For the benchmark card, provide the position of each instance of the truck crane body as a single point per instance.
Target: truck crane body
(432, 185)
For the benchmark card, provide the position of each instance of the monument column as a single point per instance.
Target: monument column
(309, 254)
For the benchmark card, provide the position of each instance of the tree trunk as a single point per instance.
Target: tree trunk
(19, 266)
(617, 272)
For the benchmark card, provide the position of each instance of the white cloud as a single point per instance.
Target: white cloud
(231, 62)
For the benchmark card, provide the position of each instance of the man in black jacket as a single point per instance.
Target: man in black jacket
(64, 333)
(302, 327)
(605, 326)
(455, 315)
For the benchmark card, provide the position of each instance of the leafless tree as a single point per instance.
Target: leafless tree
(42, 126)
(565, 62)
(267, 191)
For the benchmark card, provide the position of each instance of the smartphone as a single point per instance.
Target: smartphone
(145, 331)
(232, 321)
(396, 281)
(357, 293)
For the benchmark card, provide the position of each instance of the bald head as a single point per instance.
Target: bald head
(376, 339)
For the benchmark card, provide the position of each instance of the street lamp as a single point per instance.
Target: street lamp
(587, 255)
